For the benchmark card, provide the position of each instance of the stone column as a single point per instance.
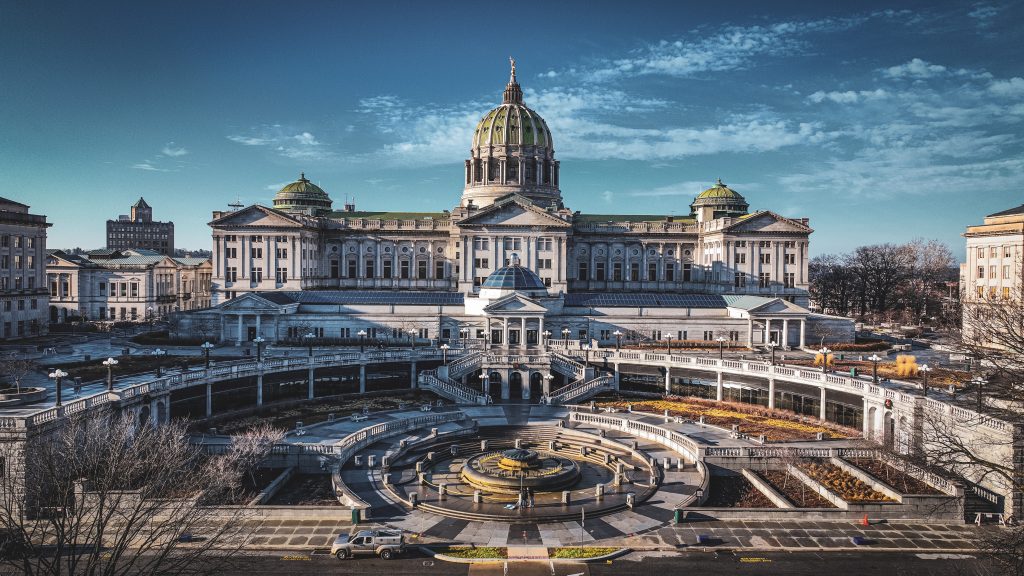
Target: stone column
(785, 332)
(750, 332)
(522, 333)
(504, 333)
(771, 393)
(412, 375)
(209, 400)
(821, 411)
(258, 322)
(866, 423)
(238, 341)
(362, 378)
(309, 394)
(615, 375)
(720, 390)
(668, 378)
(259, 388)
(803, 326)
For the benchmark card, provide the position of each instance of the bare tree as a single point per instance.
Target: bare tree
(14, 367)
(204, 326)
(101, 495)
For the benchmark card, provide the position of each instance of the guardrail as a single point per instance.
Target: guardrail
(567, 365)
(582, 390)
(430, 380)
(469, 362)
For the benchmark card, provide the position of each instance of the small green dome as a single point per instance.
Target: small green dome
(722, 200)
(303, 196)
(720, 190)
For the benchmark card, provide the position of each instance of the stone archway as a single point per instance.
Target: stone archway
(144, 416)
(161, 413)
(494, 387)
(536, 385)
(871, 425)
(515, 386)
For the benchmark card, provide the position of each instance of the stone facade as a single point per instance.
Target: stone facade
(138, 231)
(993, 270)
(130, 285)
(23, 295)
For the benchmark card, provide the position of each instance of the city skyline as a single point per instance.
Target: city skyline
(806, 110)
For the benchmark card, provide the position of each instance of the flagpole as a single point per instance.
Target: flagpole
(583, 517)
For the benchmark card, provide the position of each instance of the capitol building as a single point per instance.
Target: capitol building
(511, 263)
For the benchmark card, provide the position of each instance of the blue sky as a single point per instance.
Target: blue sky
(879, 122)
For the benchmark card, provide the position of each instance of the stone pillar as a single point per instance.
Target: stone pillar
(599, 491)
(504, 334)
(259, 389)
(803, 326)
(750, 332)
(821, 411)
(615, 375)
(771, 393)
(209, 400)
(522, 334)
(362, 378)
(866, 423)
(258, 319)
(310, 392)
(785, 332)
(412, 375)
(668, 378)
(720, 389)
(238, 341)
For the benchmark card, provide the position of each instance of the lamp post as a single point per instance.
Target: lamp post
(547, 381)
(547, 338)
(979, 382)
(463, 336)
(618, 340)
(924, 369)
(110, 363)
(206, 346)
(412, 338)
(159, 358)
(259, 340)
(444, 354)
(483, 382)
(565, 334)
(771, 348)
(668, 343)
(362, 340)
(150, 317)
(57, 376)
(824, 358)
(309, 342)
(875, 359)
(721, 347)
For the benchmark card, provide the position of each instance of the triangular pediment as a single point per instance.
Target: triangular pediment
(252, 302)
(257, 215)
(515, 303)
(768, 222)
(513, 210)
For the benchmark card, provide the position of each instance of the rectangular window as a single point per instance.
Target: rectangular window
(670, 272)
(282, 253)
(421, 270)
(734, 335)
(709, 335)
(1006, 294)
(1007, 252)
(617, 271)
(256, 252)
(256, 274)
(482, 263)
(513, 243)
(544, 263)
(766, 258)
(35, 303)
(582, 270)
(992, 292)
(335, 268)
(765, 280)
(439, 270)
(351, 268)
(478, 280)
(1006, 272)
(981, 291)
(687, 272)
(369, 267)
(981, 271)
(981, 252)
(481, 242)
(544, 244)
(403, 269)
(789, 280)
(103, 288)
(386, 269)
(766, 244)
(740, 280)
(789, 244)
(740, 243)
(124, 289)
(634, 271)
(599, 271)
(232, 274)
(992, 272)
(790, 258)
(282, 275)
(231, 252)
(652, 272)
(993, 252)
(740, 258)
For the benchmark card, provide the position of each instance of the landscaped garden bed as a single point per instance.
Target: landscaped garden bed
(899, 480)
(775, 425)
(845, 485)
(306, 490)
(800, 494)
(314, 413)
(473, 552)
(580, 552)
(735, 492)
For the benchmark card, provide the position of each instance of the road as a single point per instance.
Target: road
(637, 564)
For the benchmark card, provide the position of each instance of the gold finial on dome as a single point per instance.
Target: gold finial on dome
(512, 76)
(513, 93)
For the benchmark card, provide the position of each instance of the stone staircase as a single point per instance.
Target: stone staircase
(567, 366)
(449, 389)
(465, 364)
(579, 391)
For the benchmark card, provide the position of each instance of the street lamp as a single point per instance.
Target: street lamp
(924, 369)
(206, 346)
(412, 338)
(309, 342)
(483, 382)
(57, 376)
(362, 340)
(110, 363)
(979, 382)
(618, 340)
(824, 358)
(875, 359)
(444, 354)
(463, 336)
(668, 343)
(152, 318)
(159, 359)
(547, 338)
(565, 334)
(721, 347)
(547, 380)
(259, 340)
(771, 348)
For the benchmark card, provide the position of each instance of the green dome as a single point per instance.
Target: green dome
(512, 124)
(722, 200)
(303, 196)
(720, 190)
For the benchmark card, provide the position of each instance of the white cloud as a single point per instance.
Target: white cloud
(172, 151)
(276, 187)
(1012, 87)
(983, 13)
(916, 68)
(849, 96)
(548, 74)
(688, 189)
(607, 196)
(286, 142)
(149, 167)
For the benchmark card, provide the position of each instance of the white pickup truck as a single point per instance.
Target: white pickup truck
(383, 543)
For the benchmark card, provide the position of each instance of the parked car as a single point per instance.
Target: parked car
(383, 543)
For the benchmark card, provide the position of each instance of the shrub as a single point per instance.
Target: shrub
(477, 552)
(577, 552)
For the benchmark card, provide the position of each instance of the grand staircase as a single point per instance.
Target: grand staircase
(450, 389)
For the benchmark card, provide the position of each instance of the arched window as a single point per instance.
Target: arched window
(547, 171)
(512, 170)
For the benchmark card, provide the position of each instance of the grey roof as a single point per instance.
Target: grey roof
(645, 300)
(364, 297)
(190, 261)
(1009, 212)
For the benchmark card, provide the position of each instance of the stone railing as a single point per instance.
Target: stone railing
(469, 362)
(678, 443)
(582, 390)
(431, 380)
(377, 224)
(567, 365)
(514, 359)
